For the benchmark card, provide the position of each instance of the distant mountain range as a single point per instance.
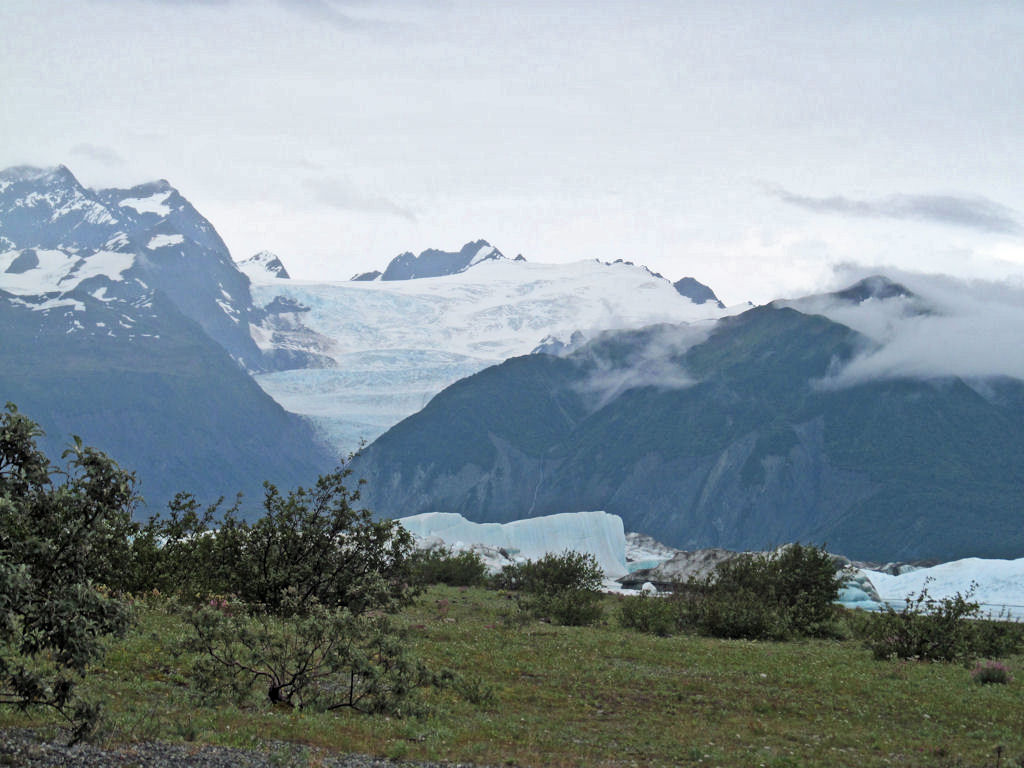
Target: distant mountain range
(124, 320)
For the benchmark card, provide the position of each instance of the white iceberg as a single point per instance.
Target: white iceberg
(596, 533)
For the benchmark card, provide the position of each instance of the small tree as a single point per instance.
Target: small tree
(62, 532)
(935, 630)
(305, 586)
(564, 588)
(770, 596)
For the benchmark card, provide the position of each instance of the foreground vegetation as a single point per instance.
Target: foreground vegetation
(314, 628)
(532, 693)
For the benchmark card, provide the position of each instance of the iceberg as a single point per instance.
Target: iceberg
(596, 533)
(998, 585)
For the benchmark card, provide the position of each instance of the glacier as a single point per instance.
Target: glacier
(394, 344)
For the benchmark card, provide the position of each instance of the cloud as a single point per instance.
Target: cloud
(102, 155)
(340, 193)
(330, 11)
(970, 329)
(972, 212)
(656, 361)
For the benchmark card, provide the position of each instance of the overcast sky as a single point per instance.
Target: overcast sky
(752, 145)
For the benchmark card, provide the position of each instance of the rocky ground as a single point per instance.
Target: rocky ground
(23, 748)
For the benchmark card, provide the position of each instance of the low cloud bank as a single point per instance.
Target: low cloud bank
(949, 327)
(656, 362)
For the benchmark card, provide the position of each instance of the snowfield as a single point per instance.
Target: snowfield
(396, 344)
(54, 271)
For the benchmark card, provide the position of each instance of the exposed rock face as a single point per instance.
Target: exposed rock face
(685, 565)
(435, 263)
(696, 291)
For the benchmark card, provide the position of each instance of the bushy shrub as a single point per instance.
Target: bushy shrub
(553, 573)
(442, 566)
(310, 657)
(564, 588)
(996, 637)
(742, 613)
(650, 614)
(770, 596)
(937, 630)
(62, 533)
(991, 672)
(308, 585)
(314, 541)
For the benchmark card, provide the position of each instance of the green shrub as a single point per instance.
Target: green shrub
(936, 630)
(314, 541)
(442, 566)
(655, 615)
(305, 656)
(62, 532)
(996, 638)
(770, 596)
(990, 672)
(553, 573)
(308, 585)
(565, 588)
(742, 613)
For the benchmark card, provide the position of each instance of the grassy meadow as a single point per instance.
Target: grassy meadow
(532, 694)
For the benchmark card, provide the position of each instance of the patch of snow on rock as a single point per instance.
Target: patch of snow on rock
(162, 241)
(152, 204)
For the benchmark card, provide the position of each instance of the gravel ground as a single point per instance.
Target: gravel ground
(20, 747)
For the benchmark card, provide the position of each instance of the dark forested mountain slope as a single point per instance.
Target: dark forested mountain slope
(734, 441)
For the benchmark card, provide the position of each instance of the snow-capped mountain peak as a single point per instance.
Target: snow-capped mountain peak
(65, 246)
(263, 266)
(435, 263)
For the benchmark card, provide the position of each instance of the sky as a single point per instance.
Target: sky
(760, 147)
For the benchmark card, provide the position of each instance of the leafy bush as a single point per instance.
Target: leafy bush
(308, 584)
(770, 596)
(996, 637)
(61, 532)
(311, 657)
(991, 672)
(180, 554)
(442, 566)
(313, 541)
(937, 630)
(650, 614)
(553, 573)
(565, 588)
